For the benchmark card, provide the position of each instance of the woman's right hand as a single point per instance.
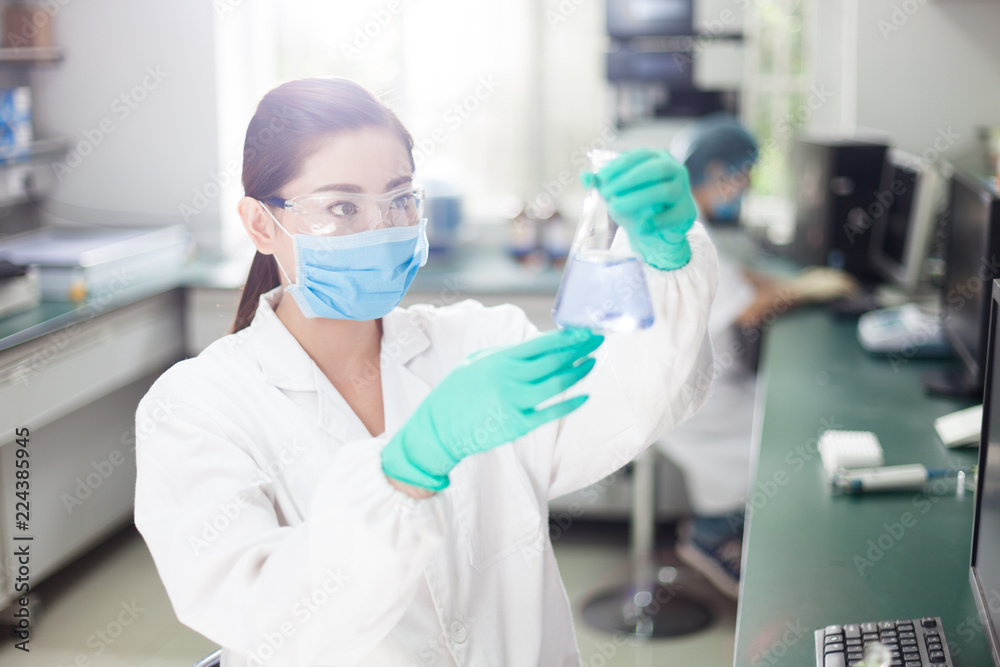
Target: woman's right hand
(486, 401)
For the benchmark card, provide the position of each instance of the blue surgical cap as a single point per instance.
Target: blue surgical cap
(716, 137)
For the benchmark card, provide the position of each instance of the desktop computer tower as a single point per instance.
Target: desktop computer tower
(835, 188)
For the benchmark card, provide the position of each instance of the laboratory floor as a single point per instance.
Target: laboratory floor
(109, 609)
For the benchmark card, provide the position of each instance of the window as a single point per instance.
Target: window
(502, 99)
(776, 100)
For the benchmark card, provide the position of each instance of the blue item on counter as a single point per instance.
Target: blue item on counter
(16, 131)
(443, 209)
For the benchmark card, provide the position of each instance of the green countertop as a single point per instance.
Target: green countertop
(813, 559)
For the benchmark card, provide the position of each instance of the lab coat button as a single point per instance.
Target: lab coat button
(458, 632)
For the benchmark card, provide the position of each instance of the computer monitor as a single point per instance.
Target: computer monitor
(911, 195)
(972, 261)
(835, 183)
(649, 18)
(984, 569)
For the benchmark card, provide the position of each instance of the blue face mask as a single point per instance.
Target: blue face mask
(727, 211)
(360, 276)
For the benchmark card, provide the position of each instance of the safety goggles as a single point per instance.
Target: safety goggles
(343, 213)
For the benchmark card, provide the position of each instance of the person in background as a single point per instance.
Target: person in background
(713, 448)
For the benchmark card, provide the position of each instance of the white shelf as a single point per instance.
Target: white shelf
(30, 55)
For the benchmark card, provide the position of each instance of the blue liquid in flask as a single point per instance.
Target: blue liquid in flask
(602, 291)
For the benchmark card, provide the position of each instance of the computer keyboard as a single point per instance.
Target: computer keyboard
(915, 643)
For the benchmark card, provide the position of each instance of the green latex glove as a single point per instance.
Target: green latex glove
(648, 193)
(487, 400)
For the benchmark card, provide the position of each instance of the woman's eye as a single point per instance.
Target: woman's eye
(343, 208)
(403, 201)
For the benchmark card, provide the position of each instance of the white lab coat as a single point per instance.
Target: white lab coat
(712, 449)
(261, 497)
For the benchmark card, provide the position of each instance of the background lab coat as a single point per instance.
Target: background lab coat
(712, 449)
(261, 496)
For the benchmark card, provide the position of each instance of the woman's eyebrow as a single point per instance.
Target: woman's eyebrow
(397, 182)
(350, 187)
(337, 187)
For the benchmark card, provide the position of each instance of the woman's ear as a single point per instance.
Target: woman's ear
(258, 224)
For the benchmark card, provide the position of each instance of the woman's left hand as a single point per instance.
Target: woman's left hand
(648, 193)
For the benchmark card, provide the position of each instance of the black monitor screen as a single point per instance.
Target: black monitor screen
(899, 193)
(986, 535)
(971, 261)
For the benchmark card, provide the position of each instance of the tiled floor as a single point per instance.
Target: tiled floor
(109, 609)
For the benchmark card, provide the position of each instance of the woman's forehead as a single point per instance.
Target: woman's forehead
(369, 160)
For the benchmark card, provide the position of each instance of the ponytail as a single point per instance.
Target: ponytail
(263, 277)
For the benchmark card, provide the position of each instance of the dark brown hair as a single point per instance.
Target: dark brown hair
(286, 128)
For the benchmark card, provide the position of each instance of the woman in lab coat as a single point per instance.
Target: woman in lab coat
(344, 482)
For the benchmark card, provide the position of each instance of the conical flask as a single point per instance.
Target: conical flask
(602, 289)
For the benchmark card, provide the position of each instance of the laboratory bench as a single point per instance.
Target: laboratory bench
(813, 559)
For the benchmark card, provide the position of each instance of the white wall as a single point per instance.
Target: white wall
(939, 69)
(915, 75)
(830, 55)
(158, 152)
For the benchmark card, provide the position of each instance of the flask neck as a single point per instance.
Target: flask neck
(600, 158)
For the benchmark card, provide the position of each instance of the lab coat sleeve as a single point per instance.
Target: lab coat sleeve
(736, 296)
(644, 383)
(323, 592)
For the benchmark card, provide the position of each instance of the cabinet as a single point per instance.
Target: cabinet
(76, 389)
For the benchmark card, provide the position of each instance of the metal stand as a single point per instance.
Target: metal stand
(652, 605)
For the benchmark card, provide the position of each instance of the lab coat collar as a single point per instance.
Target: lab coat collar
(287, 366)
